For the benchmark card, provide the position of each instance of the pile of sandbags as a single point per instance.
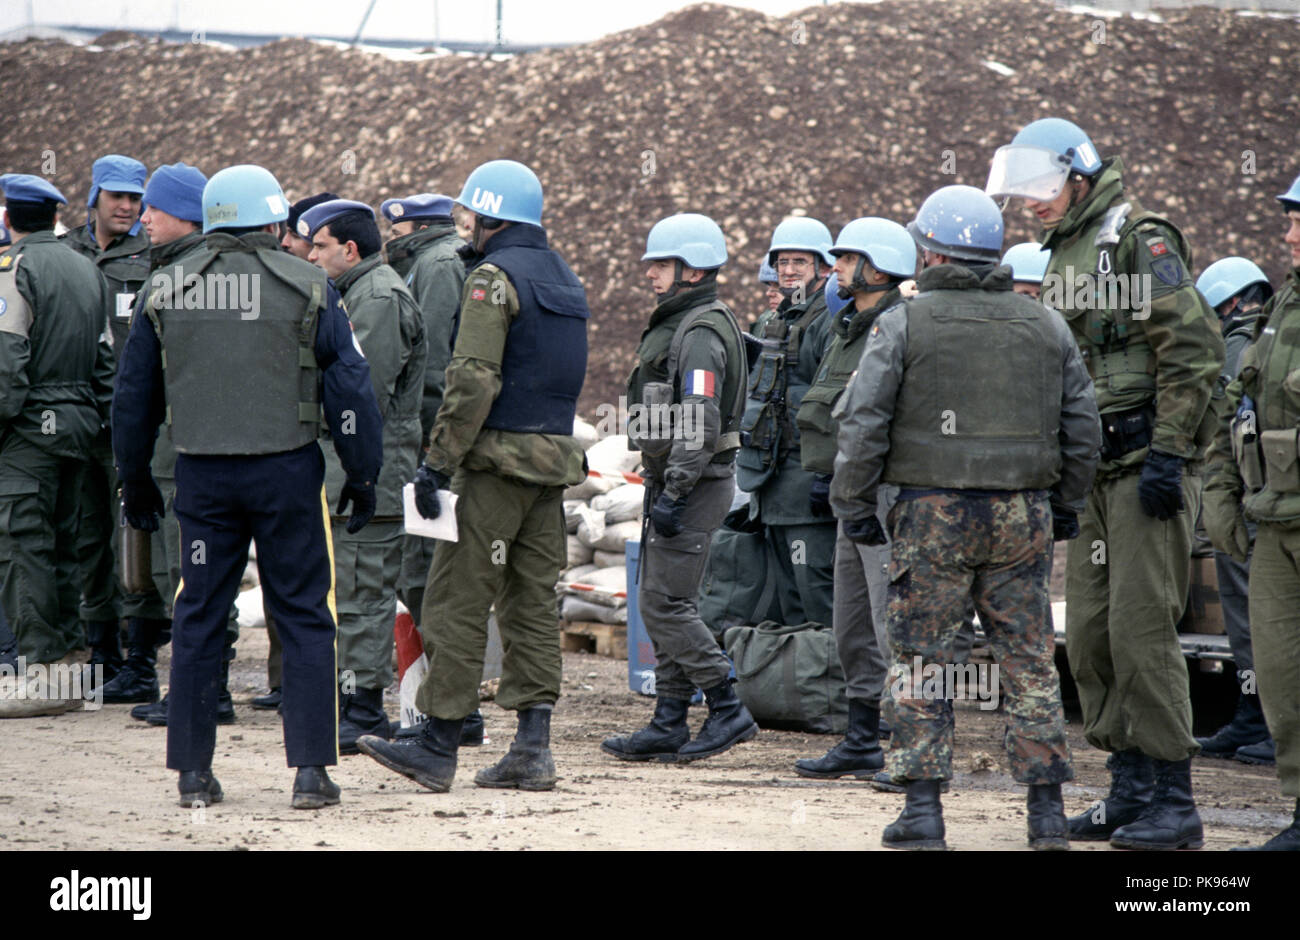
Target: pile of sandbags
(601, 515)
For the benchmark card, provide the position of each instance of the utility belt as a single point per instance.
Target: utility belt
(1123, 432)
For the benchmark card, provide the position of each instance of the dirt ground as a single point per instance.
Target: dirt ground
(96, 780)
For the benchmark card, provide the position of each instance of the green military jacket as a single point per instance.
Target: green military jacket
(428, 260)
(459, 438)
(783, 498)
(161, 257)
(124, 264)
(1270, 377)
(55, 385)
(1119, 276)
(386, 322)
(710, 373)
(817, 427)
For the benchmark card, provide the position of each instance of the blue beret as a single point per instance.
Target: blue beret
(412, 208)
(117, 174)
(177, 189)
(310, 222)
(302, 205)
(23, 187)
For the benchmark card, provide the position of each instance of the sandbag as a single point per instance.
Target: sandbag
(604, 559)
(585, 434)
(611, 455)
(789, 677)
(578, 609)
(614, 538)
(579, 553)
(621, 503)
(578, 573)
(592, 486)
(571, 517)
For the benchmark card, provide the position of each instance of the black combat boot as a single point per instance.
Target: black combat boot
(364, 715)
(920, 826)
(858, 753)
(471, 735)
(1170, 820)
(659, 740)
(528, 765)
(729, 723)
(105, 650)
(226, 703)
(1247, 727)
(1263, 754)
(268, 701)
(1288, 840)
(137, 680)
(142, 712)
(429, 758)
(313, 788)
(1132, 783)
(1048, 830)
(199, 786)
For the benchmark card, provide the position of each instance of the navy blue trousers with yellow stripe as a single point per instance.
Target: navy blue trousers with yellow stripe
(278, 501)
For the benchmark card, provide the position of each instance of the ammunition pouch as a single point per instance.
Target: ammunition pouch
(1245, 451)
(650, 429)
(1282, 459)
(1123, 432)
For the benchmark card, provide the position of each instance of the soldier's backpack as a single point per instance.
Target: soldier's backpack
(789, 677)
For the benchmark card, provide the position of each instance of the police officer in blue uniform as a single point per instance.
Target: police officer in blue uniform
(238, 352)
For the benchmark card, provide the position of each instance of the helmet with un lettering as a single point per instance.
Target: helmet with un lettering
(504, 189)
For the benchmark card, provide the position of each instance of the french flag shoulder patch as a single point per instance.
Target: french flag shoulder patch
(700, 382)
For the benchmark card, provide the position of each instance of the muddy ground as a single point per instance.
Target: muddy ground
(96, 780)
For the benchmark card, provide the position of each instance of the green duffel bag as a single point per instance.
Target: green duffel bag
(790, 677)
(735, 588)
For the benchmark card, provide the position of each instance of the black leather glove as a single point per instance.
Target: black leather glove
(819, 495)
(427, 483)
(1160, 489)
(666, 515)
(1065, 524)
(142, 504)
(866, 531)
(362, 498)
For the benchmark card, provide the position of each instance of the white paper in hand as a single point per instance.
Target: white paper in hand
(444, 527)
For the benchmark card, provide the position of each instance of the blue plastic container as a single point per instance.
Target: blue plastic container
(640, 651)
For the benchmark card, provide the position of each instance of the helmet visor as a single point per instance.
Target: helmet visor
(1027, 172)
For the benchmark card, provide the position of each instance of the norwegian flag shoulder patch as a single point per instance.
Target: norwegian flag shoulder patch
(478, 293)
(700, 382)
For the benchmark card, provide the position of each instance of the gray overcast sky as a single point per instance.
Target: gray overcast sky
(525, 21)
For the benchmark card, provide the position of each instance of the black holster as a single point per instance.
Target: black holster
(1123, 432)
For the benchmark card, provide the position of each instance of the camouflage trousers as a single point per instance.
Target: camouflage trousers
(949, 548)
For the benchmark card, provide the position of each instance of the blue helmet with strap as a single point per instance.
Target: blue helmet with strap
(801, 233)
(959, 222)
(505, 190)
(688, 237)
(884, 244)
(1039, 160)
(244, 196)
(1291, 198)
(1228, 277)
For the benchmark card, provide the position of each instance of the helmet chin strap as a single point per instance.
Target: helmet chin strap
(482, 232)
(678, 284)
(859, 285)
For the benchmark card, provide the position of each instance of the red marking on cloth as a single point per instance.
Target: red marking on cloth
(478, 293)
(409, 645)
(616, 475)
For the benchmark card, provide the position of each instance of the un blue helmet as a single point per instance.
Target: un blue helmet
(688, 237)
(767, 273)
(1028, 262)
(1291, 198)
(504, 189)
(835, 301)
(801, 234)
(886, 245)
(960, 222)
(1228, 277)
(1039, 159)
(243, 196)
